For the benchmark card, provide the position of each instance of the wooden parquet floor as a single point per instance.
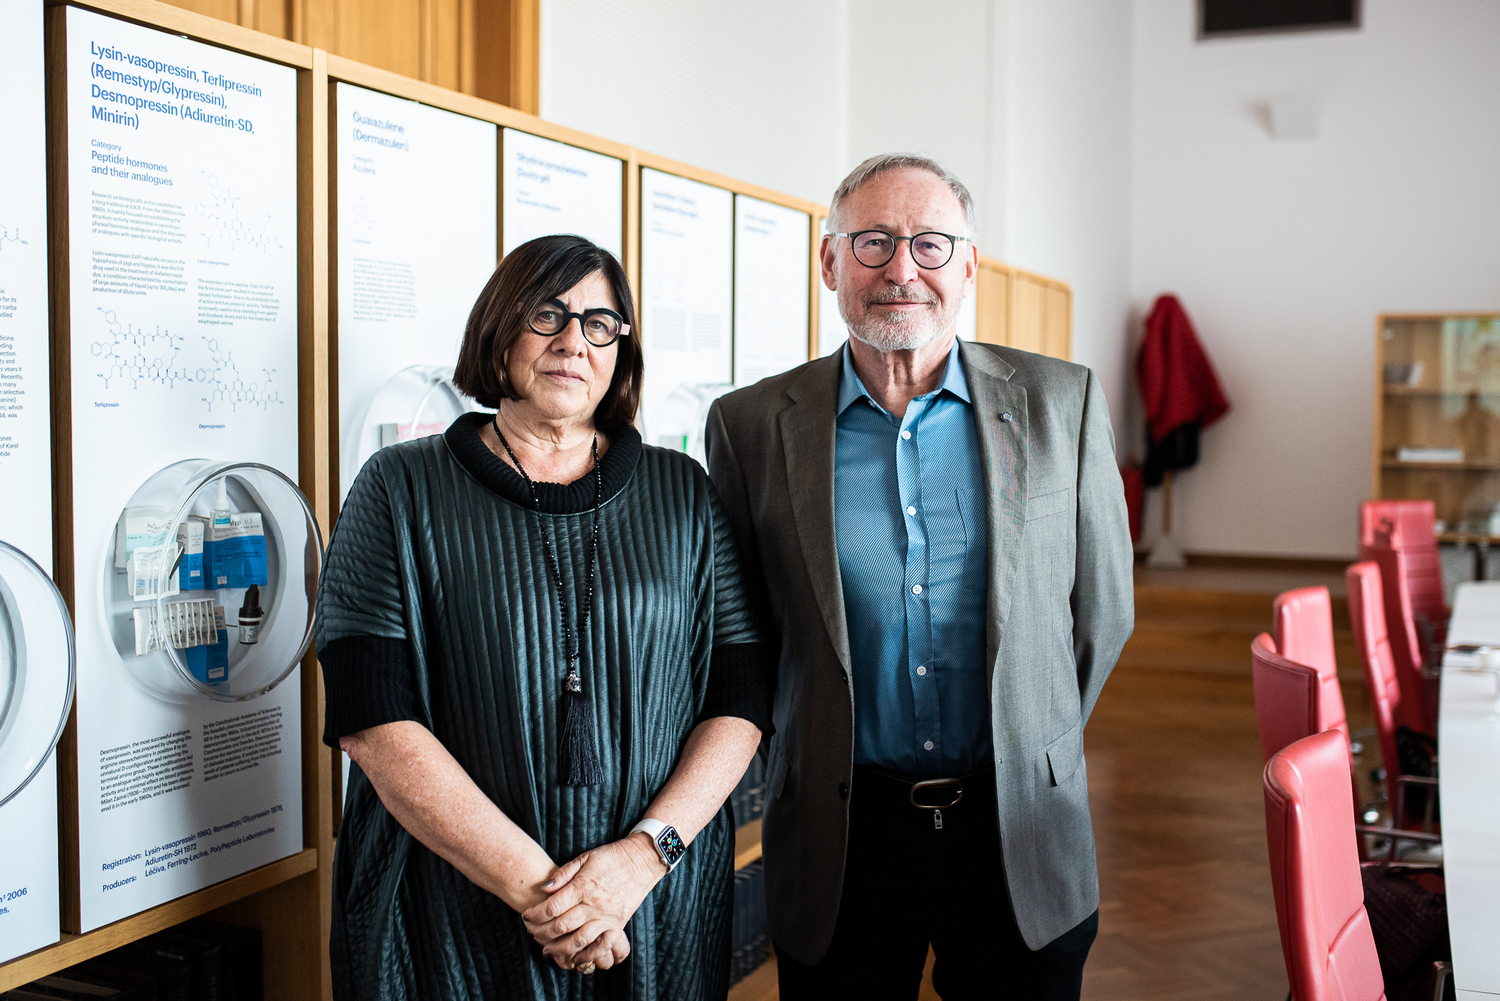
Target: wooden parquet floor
(1174, 778)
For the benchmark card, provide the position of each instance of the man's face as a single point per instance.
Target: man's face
(900, 306)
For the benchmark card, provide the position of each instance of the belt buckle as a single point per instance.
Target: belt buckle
(933, 783)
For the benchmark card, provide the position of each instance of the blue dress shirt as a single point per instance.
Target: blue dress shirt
(910, 513)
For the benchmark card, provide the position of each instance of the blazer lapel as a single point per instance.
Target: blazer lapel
(807, 438)
(1000, 411)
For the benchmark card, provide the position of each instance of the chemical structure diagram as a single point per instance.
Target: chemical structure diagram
(223, 383)
(10, 234)
(224, 228)
(151, 356)
(363, 221)
(135, 353)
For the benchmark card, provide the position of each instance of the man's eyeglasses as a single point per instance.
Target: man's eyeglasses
(601, 327)
(874, 248)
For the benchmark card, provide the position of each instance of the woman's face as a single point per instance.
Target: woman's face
(563, 377)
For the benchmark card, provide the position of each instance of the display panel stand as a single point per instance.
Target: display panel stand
(29, 888)
(287, 899)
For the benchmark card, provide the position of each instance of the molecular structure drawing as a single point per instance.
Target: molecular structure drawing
(137, 354)
(222, 225)
(223, 383)
(10, 234)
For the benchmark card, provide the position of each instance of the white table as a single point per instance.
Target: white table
(1469, 779)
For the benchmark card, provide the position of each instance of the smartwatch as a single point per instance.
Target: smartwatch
(669, 846)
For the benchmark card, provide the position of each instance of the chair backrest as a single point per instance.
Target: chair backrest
(1367, 616)
(1399, 535)
(1286, 697)
(1302, 621)
(1325, 933)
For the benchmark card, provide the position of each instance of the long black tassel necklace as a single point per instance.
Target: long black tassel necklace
(579, 747)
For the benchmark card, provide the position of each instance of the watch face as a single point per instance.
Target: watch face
(672, 848)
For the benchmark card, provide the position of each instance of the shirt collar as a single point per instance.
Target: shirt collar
(852, 389)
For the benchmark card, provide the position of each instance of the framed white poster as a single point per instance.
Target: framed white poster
(29, 902)
(550, 187)
(182, 201)
(416, 226)
(687, 279)
(770, 288)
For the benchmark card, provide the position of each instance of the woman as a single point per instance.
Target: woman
(534, 637)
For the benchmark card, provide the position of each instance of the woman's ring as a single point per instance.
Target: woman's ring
(585, 968)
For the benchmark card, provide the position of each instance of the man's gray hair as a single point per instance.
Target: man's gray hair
(900, 161)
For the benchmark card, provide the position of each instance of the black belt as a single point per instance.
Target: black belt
(936, 794)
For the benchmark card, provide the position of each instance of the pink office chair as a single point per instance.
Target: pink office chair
(1326, 937)
(1302, 621)
(1292, 702)
(1368, 615)
(1398, 535)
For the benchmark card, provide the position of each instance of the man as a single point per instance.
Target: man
(940, 535)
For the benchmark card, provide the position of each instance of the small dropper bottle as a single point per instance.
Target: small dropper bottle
(251, 616)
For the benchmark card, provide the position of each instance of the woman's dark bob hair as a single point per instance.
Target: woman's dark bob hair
(536, 271)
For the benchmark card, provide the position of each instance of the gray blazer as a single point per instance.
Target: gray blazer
(1061, 605)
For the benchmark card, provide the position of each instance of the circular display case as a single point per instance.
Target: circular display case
(229, 670)
(417, 401)
(680, 422)
(37, 669)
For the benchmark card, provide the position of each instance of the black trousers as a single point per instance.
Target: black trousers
(908, 884)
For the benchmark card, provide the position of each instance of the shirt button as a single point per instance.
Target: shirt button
(905, 434)
(843, 790)
(916, 589)
(921, 672)
(927, 746)
(911, 510)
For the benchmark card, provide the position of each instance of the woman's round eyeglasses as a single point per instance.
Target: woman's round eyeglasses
(874, 248)
(601, 327)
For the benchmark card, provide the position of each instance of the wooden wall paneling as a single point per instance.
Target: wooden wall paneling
(1059, 322)
(633, 228)
(992, 302)
(814, 278)
(506, 51)
(1027, 312)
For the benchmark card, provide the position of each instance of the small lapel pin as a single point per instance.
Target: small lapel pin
(1005, 416)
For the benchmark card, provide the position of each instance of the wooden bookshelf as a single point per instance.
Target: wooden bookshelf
(1437, 385)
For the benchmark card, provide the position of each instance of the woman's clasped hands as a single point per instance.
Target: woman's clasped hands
(581, 924)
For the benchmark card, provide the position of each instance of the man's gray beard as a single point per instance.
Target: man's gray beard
(893, 334)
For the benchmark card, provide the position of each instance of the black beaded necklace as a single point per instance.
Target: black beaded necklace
(580, 754)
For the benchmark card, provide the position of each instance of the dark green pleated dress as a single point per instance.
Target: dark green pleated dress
(436, 605)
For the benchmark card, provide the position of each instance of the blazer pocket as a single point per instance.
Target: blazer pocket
(1064, 754)
(1052, 502)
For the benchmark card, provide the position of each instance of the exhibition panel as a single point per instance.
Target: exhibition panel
(36, 670)
(687, 281)
(187, 393)
(414, 217)
(36, 693)
(770, 288)
(551, 187)
(183, 291)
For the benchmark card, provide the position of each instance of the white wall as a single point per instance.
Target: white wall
(1283, 251)
(1067, 169)
(755, 91)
